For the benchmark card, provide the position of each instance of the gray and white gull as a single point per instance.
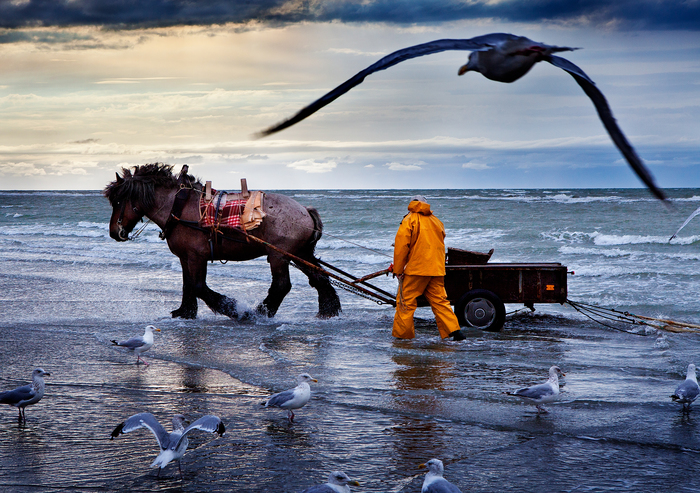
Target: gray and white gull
(174, 444)
(27, 395)
(337, 483)
(688, 390)
(544, 393)
(291, 399)
(139, 344)
(500, 57)
(434, 482)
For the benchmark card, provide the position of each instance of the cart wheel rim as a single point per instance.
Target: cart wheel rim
(480, 313)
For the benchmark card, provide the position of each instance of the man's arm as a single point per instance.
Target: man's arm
(402, 244)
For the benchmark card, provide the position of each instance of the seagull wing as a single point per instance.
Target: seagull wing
(132, 343)
(209, 423)
(441, 485)
(143, 420)
(321, 488)
(687, 391)
(695, 213)
(278, 400)
(606, 116)
(536, 392)
(17, 395)
(480, 43)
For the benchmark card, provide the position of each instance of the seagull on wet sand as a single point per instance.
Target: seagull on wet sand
(434, 482)
(543, 393)
(337, 483)
(139, 344)
(295, 398)
(500, 57)
(174, 444)
(27, 395)
(688, 390)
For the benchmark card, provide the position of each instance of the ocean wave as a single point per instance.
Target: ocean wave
(603, 239)
(609, 239)
(50, 193)
(614, 252)
(46, 230)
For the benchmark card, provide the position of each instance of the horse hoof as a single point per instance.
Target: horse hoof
(246, 316)
(263, 311)
(182, 313)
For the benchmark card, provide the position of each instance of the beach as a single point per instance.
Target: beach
(381, 406)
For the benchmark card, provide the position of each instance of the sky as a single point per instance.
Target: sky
(90, 86)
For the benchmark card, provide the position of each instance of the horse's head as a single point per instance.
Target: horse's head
(126, 210)
(132, 196)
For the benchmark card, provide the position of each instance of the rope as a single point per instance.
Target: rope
(596, 313)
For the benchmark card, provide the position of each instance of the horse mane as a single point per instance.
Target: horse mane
(138, 186)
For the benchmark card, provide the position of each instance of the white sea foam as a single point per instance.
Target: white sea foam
(614, 252)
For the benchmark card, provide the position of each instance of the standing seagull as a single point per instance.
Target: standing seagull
(174, 444)
(337, 483)
(27, 395)
(434, 482)
(295, 398)
(500, 57)
(543, 393)
(688, 390)
(139, 344)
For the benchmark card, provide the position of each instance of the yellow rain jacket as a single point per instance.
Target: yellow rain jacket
(420, 254)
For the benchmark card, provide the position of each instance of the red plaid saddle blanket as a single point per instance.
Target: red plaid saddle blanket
(223, 210)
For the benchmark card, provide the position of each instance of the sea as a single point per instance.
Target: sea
(381, 407)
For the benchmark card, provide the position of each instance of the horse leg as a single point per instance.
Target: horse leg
(188, 307)
(328, 301)
(281, 285)
(216, 301)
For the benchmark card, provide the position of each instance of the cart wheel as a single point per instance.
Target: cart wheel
(481, 309)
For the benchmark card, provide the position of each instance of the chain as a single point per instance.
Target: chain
(352, 290)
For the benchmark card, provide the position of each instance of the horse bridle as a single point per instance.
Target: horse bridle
(121, 231)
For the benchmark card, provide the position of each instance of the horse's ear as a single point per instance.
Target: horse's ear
(120, 180)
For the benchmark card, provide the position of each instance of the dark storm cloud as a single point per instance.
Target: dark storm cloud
(130, 14)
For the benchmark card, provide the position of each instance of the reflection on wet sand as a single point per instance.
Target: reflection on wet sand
(419, 379)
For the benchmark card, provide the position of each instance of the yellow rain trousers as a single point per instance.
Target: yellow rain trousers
(419, 255)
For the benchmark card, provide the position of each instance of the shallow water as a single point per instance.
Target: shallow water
(381, 406)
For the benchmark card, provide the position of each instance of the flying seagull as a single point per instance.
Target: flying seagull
(337, 483)
(434, 482)
(174, 444)
(688, 390)
(21, 397)
(139, 344)
(543, 393)
(501, 57)
(695, 213)
(291, 399)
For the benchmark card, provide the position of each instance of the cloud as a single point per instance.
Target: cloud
(127, 14)
(313, 166)
(369, 166)
(20, 169)
(403, 167)
(476, 165)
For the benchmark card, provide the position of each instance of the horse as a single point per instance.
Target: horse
(150, 191)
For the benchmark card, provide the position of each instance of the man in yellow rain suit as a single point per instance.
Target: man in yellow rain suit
(419, 263)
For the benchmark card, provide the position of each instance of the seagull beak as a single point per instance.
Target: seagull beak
(423, 466)
(314, 380)
(157, 330)
(463, 69)
(354, 483)
(47, 374)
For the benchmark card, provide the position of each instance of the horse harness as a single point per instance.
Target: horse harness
(178, 204)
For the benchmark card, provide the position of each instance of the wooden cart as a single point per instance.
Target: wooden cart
(478, 289)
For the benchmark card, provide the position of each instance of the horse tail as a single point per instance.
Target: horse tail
(318, 228)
